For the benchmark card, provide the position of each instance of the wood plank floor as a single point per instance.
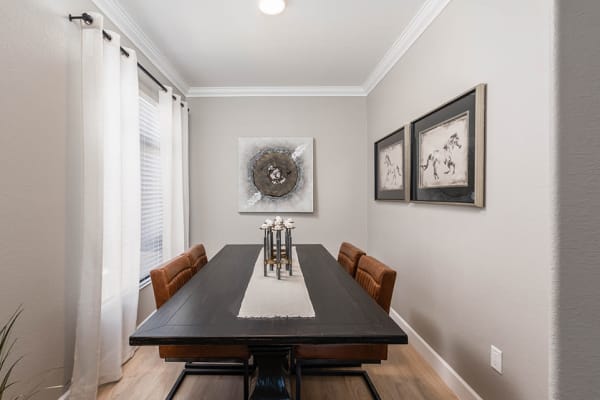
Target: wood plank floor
(404, 376)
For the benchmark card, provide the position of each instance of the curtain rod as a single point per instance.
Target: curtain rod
(88, 19)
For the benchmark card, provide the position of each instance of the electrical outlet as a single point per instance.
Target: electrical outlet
(496, 358)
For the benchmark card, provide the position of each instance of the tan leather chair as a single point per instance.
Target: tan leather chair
(197, 256)
(348, 257)
(166, 281)
(378, 281)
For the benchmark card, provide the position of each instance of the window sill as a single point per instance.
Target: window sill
(144, 282)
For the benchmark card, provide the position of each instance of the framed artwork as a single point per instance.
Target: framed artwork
(392, 166)
(275, 174)
(448, 152)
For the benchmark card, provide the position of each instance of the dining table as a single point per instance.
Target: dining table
(206, 311)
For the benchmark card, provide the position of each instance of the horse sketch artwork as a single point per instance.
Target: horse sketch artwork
(444, 154)
(391, 159)
(390, 163)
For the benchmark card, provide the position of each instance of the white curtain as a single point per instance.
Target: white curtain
(173, 165)
(107, 308)
(186, 174)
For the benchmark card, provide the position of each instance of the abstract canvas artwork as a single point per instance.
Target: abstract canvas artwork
(275, 174)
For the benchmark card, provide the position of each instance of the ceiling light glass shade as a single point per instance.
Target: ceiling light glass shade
(271, 7)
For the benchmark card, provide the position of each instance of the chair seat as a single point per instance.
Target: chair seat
(204, 352)
(342, 352)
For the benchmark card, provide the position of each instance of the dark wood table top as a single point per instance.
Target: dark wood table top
(205, 310)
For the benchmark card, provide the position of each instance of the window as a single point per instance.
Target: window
(151, 229)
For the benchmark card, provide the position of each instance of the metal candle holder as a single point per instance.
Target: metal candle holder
(277, 253)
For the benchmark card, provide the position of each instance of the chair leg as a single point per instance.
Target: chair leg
(212, 369)
(331, 372)
(246, 380)
(177, 384)
(298, 379)
(370, 385)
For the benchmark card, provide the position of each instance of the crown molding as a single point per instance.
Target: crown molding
(420, 22)
(113, 10)
(282, 91)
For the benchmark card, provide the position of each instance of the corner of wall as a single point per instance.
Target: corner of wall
(553, 361)
(454, 381)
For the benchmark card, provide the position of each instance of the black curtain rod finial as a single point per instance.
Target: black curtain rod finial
(87, 18)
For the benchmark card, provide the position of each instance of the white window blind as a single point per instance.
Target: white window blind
(151, 242)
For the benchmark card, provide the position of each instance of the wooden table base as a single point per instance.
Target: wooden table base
(273, 372)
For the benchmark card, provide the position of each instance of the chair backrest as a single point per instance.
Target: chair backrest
(171, 277)
(197, 256)
(348, 257)
(377, 279)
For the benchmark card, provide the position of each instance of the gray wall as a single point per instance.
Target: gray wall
(40, 175)
(577, 300)
(338, 126)
(470, 278)
(33, 150)
(467, 278)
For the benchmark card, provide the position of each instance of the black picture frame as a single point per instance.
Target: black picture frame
(400, 166)
(448, 139)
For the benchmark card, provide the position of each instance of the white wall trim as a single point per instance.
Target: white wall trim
(254, 91)
(113, 10)
(420, 22)
(424, 17)
(454, 381)
(146, 319)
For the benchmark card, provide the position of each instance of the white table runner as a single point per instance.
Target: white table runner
(267, 297)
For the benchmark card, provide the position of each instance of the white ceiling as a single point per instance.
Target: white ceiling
(229, 43)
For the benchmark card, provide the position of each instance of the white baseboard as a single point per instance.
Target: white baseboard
(454, 381)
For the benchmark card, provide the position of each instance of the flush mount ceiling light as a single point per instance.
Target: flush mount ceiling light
(271, 7)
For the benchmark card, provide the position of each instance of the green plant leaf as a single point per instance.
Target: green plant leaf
(3, 359)
(5, 385)
(6, 329)
(6, 349)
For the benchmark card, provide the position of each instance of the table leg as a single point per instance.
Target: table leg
(271, 381)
